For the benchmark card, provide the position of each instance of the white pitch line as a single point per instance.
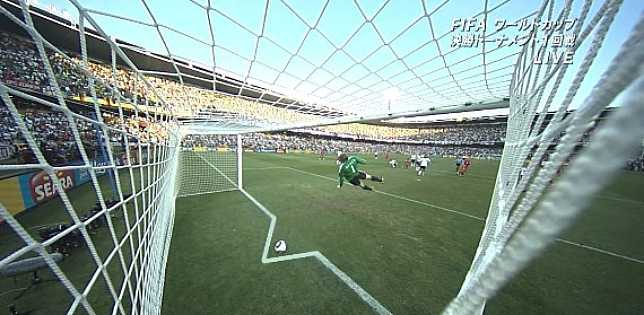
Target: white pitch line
(620, 199)
(291, 257)
(430, 205)
(591, 248)
(264, 168)
(206, 192)
(481, 177)
(601, 251)
(493, 179)
(398, 197)
(362, 293)
(220, 172)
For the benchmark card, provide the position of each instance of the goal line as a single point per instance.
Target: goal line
(265, 259)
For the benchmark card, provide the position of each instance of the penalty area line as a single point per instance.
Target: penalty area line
(599, 250)
(264, 168)
(493, 179)
(398, 197)
(362, 293)
(567, 242)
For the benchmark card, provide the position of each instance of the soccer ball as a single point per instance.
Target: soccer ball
(280, 246)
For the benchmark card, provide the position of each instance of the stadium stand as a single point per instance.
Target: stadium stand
(289, 141)
(20, 67)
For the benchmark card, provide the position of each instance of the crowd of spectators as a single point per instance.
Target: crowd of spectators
(52, 133)
(290, 141)
(21, 66)
(486, 134)
(636, 164)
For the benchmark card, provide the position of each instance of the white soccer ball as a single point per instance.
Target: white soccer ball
(280, 246)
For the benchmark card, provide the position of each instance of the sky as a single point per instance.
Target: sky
(348, 54)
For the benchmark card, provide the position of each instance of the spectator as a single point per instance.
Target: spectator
(278, 142)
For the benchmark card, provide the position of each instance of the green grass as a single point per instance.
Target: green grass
(410, 256)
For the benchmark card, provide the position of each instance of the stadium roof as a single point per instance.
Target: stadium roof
(385, 57)
(328, 57)
(64, 33)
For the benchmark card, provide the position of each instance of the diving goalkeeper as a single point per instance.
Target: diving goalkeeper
(349, 171)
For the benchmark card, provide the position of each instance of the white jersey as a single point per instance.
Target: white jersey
(424, 162)
(393, 163)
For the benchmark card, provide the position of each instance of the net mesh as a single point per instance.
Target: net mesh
(126, 234)
(208, 164)
(545, 180)
(137, 157)
(323, 74)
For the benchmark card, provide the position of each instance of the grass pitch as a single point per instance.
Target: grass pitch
(409, 246)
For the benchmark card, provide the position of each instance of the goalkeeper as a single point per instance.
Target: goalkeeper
(349, 171)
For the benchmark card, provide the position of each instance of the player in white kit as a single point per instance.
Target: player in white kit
(424, 163)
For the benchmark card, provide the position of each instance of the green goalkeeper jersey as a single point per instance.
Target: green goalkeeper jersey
(349, 169)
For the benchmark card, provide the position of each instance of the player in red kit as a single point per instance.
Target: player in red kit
(465, 166)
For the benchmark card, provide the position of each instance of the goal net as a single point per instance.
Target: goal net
(552, 165)
(122, 152)
(209, 164)
(99, 162)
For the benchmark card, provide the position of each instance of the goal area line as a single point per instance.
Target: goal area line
(560, 240)
(265, 259)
